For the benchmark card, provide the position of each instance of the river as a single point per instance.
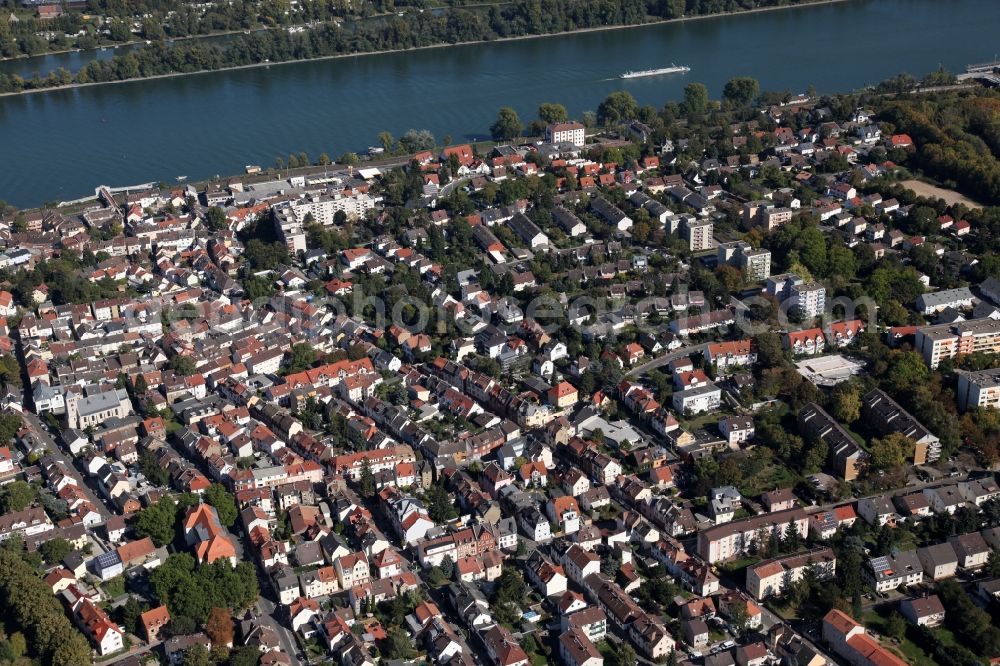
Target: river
(59, 145)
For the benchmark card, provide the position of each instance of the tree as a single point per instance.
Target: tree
(906, 371)
(815, 457)
(152, 470)
(157, 522)
(386, 141)
(220, 626)
(895, 625)
(847, 402)
(617, 109)
(550, 113)
(183, 365)
(247, 655)
(414, 141)
(398, 644)
(181, 625)
(447, 566)
(72, 650)
(769, 350)
(992, 568)
(216, 218)
(197, 655)
(891, 450)
(739, 618)
(367, 479)
(507, 125)
(695, 104)
(436, 577)
(13, 648)
(10, 371)
(17, 496)
(440, 506)
(303, 357)
(41, 619)
(224, 503)
(741, 91)
(55, 550)
(130, 614)
(625, 656)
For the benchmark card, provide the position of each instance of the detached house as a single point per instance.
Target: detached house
(971, 549)
(106, 636)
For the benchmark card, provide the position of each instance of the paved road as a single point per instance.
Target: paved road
(659, 361)
(267, 611)
(451, 185)
(140, 648)
(56, 445)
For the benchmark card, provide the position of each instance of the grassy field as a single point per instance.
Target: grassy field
(773, 476)
(906, 648)
(951, 197)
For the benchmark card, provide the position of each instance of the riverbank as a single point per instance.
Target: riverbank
(121, 45)
(683, 19)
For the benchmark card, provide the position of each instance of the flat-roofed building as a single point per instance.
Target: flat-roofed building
(978, 389)
(936, 343)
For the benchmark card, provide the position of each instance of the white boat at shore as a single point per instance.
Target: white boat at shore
(673, 69)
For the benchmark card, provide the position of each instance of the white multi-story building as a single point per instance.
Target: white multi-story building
(324, 208)
(730, 540)
(978, 389)
(289, 229)
(936, 301)
(569, 132)
(697, 400)
(756, 264)
(107, 636)
(699, 234)
(965, 337)
(773, 577)
(737, 429)
(25, 523)
(808, 299)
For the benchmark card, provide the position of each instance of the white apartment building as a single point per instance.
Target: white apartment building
(698, 399)
(978, 389)
(289, 229)
(808, 299)
(568, 132)
(965, 337)
(936, 301)
(756, 264)
(730, 540)
(699, 234)
(773, 577)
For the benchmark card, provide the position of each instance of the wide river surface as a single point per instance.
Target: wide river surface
(59, 145)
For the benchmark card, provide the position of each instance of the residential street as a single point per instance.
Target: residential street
(54, 445)
(266, 611)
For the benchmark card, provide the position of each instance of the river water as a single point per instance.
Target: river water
(59, 145)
